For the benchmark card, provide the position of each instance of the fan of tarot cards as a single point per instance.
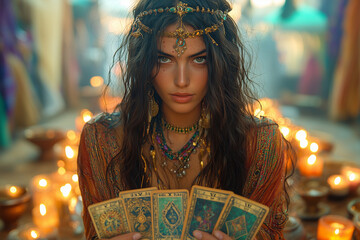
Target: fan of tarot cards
(172, 214)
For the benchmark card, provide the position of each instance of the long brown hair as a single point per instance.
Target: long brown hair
(227, 98)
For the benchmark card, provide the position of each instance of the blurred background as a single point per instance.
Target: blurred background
(56, 56)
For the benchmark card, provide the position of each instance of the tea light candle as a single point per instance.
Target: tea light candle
(84, 117)
(45, 217)
(339, 185)
(333, 227)
(311, 166)
(353, 176)
(41, 187)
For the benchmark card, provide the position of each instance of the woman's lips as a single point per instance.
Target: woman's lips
(181, 97)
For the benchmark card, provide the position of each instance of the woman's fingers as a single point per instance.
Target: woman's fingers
(128, 236)
(218, 235)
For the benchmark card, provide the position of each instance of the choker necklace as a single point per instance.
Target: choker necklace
(177, 129)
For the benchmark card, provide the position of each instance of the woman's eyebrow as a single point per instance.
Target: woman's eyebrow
(193, 55)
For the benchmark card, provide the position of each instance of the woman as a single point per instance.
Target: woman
(184, 118)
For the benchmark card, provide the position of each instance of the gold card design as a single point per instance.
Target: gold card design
(138, 210)
(168, 213)
(109, 218)
(241, 218)
(205, 206)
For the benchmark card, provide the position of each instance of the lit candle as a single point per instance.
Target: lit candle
(311, 166)
(14, 192)
(353, 176)
(333, 227)
(45, 217)
(71, 153)
(41, 187)
(339, 185)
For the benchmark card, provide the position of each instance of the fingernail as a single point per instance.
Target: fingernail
(136, 236)
(197, 234)
(218, 235)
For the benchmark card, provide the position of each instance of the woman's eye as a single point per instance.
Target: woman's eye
(200, 60)
(162, 59)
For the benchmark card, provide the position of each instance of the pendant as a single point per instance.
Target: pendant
(180, 46)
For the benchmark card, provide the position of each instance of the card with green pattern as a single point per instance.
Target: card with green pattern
(109, 218)
(138, 210)
(241, 218)
(168, 213)
(205, 206)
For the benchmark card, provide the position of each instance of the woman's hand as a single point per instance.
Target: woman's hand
(128, 236)
(218, 235)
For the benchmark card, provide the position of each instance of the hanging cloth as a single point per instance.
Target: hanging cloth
(345, 99)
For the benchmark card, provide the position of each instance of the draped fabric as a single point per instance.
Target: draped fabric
(345, 97)
(47, 20)
(265, 180)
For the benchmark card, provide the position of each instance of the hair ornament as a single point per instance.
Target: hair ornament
(180, 33)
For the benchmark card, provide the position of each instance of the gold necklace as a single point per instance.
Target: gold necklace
(177, 129)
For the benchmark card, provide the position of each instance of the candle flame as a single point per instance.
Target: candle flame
(34, 234)
(311, 160)
(314, 147)
(75, 178)
(301, 134)
(337, 231)
(43, 182)
(42, 209)
(71, 135)
(96, 81)
(86, 115)
(285, 131)
(61, 170)
(337, 180)
(352, 176)
(303, 143)
(66, 189)
(13, 189)
(69, 152)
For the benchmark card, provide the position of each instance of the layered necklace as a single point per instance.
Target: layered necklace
(180, 159)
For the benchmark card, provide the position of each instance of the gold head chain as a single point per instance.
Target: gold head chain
(180, 33)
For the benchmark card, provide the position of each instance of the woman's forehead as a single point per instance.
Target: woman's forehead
(193, 45)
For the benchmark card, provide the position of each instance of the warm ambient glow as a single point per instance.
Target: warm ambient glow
(60, 163)
(69, 152)
(66, 189)
(96, 81)
(303, 143)
(285, 131)
(71, 135)
(86, 115)
(42, 209)
(75, 178)
(314, 147)
(259, 113)
(43, 182)
(301, 134)
(34, 234)
(311, 160)
(61, 170)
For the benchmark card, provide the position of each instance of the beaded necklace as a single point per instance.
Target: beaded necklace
(181, 158)
(177, 129)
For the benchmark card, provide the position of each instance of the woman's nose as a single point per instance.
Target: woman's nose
(182, 78)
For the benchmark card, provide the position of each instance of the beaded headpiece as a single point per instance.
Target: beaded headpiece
(180, 33)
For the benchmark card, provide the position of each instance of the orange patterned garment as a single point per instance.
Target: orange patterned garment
(100, 142)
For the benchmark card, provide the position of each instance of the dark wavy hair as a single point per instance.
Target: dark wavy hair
(227, 98)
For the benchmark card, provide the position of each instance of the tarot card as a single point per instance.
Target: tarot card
(168, 213)
(109, 218)
(241, 218)
(138, 210)
(205, 206)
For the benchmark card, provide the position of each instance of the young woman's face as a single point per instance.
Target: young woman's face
(181, 81)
